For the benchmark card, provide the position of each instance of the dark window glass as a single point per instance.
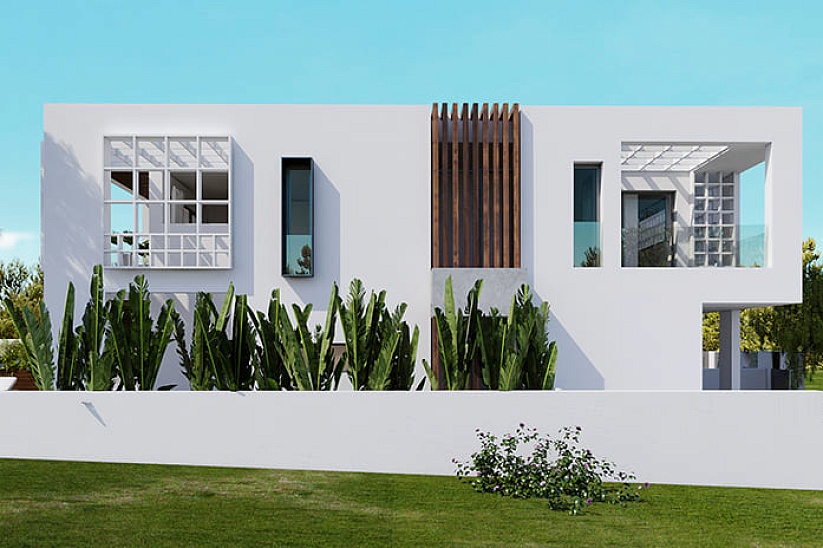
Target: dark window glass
(298, 217)
(586, 216)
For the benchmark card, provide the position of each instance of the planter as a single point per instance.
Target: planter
(25, 380)
(6, 383)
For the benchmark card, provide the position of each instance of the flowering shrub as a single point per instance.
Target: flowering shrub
(557, 469)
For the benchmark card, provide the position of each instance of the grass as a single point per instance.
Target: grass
(816, 383)
(45, 503)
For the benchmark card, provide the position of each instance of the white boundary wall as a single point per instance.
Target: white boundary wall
(753, 439)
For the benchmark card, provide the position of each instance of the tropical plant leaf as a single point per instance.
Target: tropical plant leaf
(69, 376)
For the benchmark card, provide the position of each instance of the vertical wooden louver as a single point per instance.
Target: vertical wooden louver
(475, 186)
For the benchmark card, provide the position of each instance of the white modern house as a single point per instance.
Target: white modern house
(630, 221)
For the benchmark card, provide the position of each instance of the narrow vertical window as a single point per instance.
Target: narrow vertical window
(298, 217)
(586, 215)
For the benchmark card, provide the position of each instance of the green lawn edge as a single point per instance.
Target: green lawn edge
(59, 503)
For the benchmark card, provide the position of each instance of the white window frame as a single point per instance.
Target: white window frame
(195, 245)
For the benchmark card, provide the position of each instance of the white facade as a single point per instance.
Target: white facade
(617, 327)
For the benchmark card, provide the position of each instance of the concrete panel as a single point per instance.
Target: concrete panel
(499, 286)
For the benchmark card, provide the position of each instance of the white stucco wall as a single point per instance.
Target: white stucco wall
(639, 328)
(617, 328)
(372, 201)
(751, 439)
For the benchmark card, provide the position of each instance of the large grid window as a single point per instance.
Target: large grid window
(167, 202)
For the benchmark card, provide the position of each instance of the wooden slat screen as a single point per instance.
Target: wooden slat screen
(475, 185)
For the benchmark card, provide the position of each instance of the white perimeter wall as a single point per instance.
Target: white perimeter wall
(752, 439)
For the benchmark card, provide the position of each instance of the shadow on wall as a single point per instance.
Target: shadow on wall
(171, 373)
(243, 225)
(326, 253)
(575, 371)
(527, 195)
(73, 212)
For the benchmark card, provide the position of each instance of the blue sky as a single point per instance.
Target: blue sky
(541, 53)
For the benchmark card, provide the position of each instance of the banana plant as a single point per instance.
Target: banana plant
(215, 360)
(132, 343)
(516, 333)
(308, 356)
(515, 352)
(97, 367)
(69, 370)
(490, 343)
(197, 362)
(238, 371)
(405, 353)
(34, 330)
(457, 340)
(271, 372)
(361, 324)
(540, 356)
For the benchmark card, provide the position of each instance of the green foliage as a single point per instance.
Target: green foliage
(24, 286)
(198, 362)
(239, 375)
(796, 329)
(711, 331)
(361, 329)
(540, 354)
(512, 352)
(515, 352)
(215, 360)
(12, 356)
(98, 371)
(380, 352)
(456, 340)
(271, 372)
(405, 352)
(557, 469)
(34, 331)
(132, 343)
(69, 366)
(308, 356)
(119, 345)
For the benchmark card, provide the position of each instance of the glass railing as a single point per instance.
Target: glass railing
(298, 255)
(586, 244)
(694, 246)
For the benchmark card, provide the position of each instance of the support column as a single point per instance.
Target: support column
(729, 362)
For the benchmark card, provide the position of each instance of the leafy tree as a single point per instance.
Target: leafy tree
(795, 328)
(711, 331)
(24, 286)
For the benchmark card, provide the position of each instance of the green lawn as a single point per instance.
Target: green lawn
(82, 504)
(816, 383)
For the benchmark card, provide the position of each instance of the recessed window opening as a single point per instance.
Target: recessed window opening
(586, 215)
(647, 229)
(298, 217)
(716, 194)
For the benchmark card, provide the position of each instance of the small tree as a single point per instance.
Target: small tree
(796, 329)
